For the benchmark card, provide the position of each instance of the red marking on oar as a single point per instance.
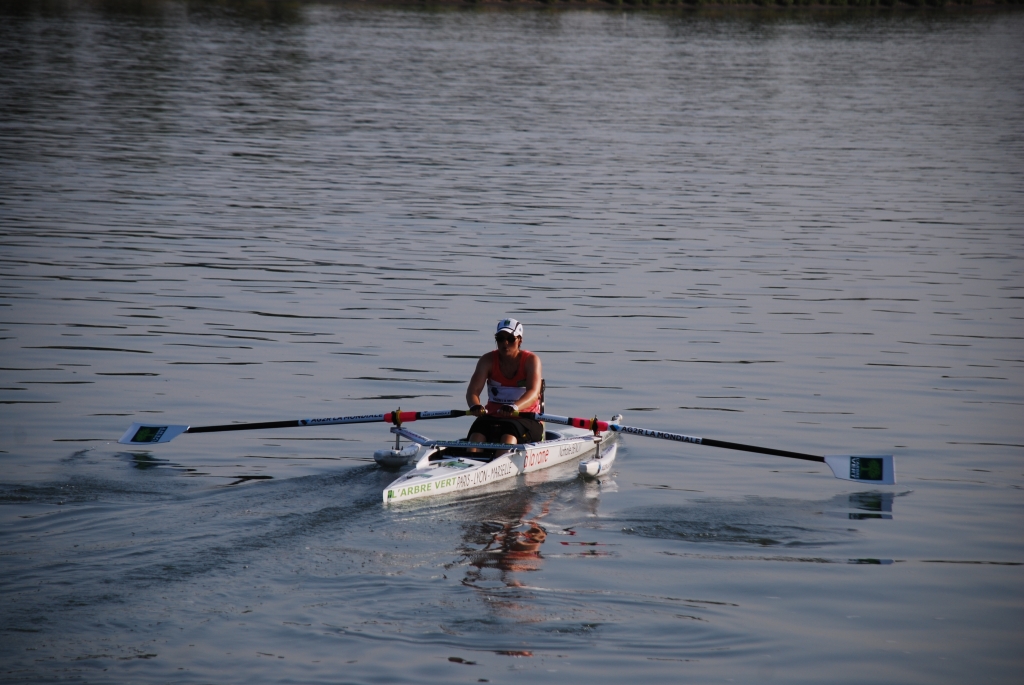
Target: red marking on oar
(588, 424)
(403, 417)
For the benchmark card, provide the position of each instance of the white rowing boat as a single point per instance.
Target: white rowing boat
(448, 467)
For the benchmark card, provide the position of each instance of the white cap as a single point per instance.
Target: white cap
(510, 326)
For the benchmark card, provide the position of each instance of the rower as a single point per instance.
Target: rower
(512, 377)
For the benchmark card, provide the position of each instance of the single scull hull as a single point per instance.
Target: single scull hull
(437, 474)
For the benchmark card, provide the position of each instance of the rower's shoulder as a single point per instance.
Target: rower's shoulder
(483, 368)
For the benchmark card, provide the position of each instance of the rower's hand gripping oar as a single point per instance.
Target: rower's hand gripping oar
(151, 434)
(878, 469)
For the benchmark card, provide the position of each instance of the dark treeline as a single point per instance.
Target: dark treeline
(273, 7)
(699, 3)
(725, 3)
(702, 3)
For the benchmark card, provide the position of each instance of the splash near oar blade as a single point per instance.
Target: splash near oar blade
(149, 434)
(877, 469)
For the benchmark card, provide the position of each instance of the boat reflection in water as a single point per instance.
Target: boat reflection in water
(512, 541)
(512, 546)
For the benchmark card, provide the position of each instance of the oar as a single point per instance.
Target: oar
(879, 469)
(150, 434)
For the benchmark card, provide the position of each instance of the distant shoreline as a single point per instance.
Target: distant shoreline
(284, 7)
(706, 8)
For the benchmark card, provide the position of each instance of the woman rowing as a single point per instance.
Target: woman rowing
(512, 377)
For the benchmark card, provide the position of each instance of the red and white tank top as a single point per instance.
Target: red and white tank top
(502, 390)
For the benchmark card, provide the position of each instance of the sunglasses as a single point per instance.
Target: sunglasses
(505, 337)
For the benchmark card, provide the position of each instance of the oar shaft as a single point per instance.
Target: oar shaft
(663, 435)
(564, 420)
(761, 450)
(395, 417)
(244, 426)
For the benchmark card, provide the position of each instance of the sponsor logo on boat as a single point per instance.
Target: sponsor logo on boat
(471, 479)
(536, 458)
(479, 477)
(422, 488)
(570, 449)
(415, 489)
(446, 483)
(501, 469)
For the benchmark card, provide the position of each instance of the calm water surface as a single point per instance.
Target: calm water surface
(804, 232)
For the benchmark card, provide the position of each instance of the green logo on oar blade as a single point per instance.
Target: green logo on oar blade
(148, 434)
(866, 468)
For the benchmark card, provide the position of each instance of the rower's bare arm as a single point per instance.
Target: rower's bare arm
(478, 381)
(533, 381)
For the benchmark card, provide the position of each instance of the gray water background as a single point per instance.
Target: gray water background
(802, 231)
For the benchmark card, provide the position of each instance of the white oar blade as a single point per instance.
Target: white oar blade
(877, 469)
(147, 434)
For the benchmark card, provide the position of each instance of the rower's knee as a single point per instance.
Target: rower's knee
(509, 439)
(478, 437)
